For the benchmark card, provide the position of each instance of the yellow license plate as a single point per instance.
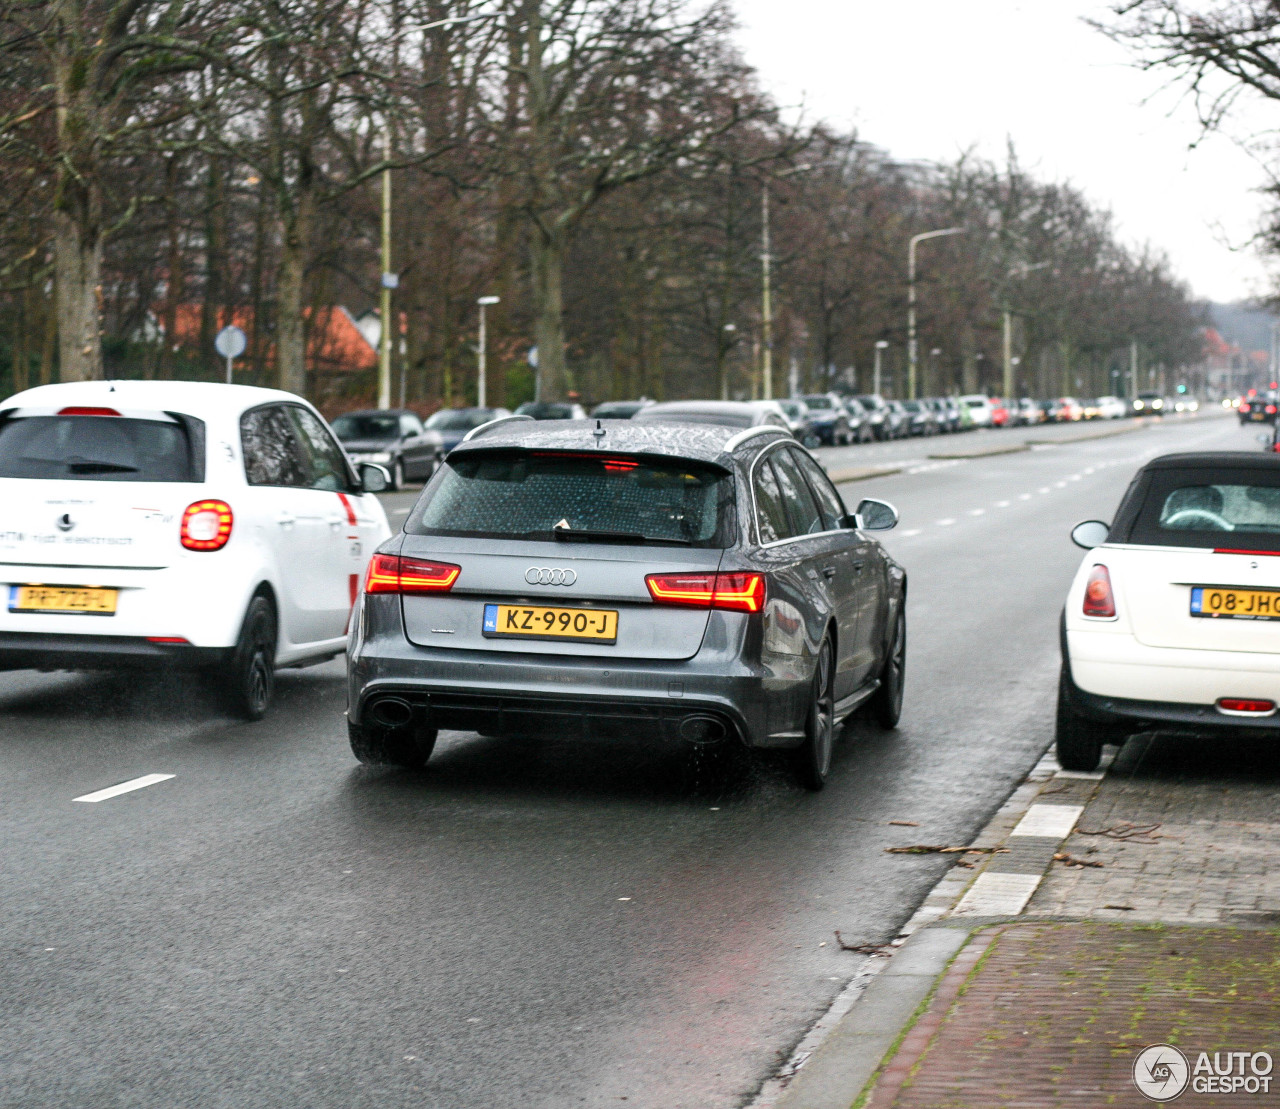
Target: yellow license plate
(1235, 604)
(62, 598)
(596, 625)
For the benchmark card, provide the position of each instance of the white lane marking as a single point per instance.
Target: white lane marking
(1060, 484)
(1074, 477)
(1088, 469)
(1024, 496)
(910, 532)
(997, 895)
(1048, 821)
(1045, 489)
(399, 512)
(1087, 775)
(947, 522)
(977, 512)
(1002, 504)
(124, 787)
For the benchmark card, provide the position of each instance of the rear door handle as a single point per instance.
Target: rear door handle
(828, 572)
(857, 567)
(285, 520)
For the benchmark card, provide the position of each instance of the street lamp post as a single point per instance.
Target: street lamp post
(391, 280)
(932, 379)
(881, 346)
(730, 336)
(484, 303)
(912, 353)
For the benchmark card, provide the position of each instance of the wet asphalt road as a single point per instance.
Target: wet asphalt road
(519, 925)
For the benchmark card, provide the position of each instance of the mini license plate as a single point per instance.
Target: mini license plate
(1235, 604)
(61, 598)
(597, 625)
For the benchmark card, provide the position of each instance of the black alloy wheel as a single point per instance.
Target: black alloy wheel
(408, 747)
(1078, 741)
(813, 756)
(886, 703)
(249, 678)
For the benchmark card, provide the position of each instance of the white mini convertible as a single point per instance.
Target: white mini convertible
(1173, 621)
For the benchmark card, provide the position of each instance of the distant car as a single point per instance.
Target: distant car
(800, 419)
(1070, 409)
(726, 413)
(921, 420)
(661, 581)
(1112, 408)
(618, 409)
(552, 410)
(166, 525)
(394, 438)
(1171, 621)
(453, 423)
(859, 420)
(1001, 412)
(1186, 404)
(979, 408)
(897, 419)
(1027, 413)
(830, 420)
(950, 417)
(877, 409)
(1259, 409)
(1150, 404)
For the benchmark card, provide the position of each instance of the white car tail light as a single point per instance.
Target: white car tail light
(206, 525)
(1099, 600)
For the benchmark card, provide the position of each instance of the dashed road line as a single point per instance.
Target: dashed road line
(947, 522)
(977, 512)
(1002, 504)
(123, 787)
(910, 532)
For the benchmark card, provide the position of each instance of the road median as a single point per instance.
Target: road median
(842, 474)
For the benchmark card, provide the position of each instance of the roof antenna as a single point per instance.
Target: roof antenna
(599, 432)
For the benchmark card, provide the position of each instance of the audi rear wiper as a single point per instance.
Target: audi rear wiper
(569, 535)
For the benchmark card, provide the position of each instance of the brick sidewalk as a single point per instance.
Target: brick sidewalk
(1169, 941)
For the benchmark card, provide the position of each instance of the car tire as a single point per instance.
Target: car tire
(397, 475)
(812, 759)
(886, 702)
(405, 747)
(249, 677)
(1078, 741)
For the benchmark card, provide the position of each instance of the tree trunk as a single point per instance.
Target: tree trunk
(547, 265)
(77, 252)
(291, 344)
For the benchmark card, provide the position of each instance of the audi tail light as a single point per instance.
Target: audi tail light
(398, 574)
(1099, 600)
(736, 592)
(206, 525)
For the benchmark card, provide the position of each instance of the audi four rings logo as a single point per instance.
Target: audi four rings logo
(550, 575)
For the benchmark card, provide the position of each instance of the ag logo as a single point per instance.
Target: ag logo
(547, 575)
(65, 522)
(1161, 1072)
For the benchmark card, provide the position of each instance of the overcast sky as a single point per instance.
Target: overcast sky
(927, 79)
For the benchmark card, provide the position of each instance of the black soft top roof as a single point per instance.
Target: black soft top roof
(1216, 460)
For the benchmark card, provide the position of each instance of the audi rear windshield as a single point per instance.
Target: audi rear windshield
(97, 448)
(567, 496)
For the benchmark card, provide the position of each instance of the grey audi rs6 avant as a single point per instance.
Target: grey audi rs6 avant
(596, 577)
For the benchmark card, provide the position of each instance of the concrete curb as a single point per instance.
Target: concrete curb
(1016, 448)
(837, 1072)
(1093, 435)
(862, 473)
(863, 1040)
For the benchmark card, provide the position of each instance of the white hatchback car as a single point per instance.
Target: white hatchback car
(979, 409)
(162, 524)
(1171, 622)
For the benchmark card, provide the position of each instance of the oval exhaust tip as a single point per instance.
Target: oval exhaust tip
(702, 729)
(391, 712)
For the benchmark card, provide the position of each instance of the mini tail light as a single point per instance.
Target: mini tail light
(86, 410)
(1244, 704)
(1244, 408)
(397, 574)
(1271, 410)
(736, 592)
(206, 525)
(1099, 600)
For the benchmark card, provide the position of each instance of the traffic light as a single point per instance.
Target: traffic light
(1182, 388)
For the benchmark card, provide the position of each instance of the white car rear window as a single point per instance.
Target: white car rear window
(95, 448)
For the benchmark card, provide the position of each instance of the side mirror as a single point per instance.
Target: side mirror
(1090, 534)
(373, 478)
(873, 515)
